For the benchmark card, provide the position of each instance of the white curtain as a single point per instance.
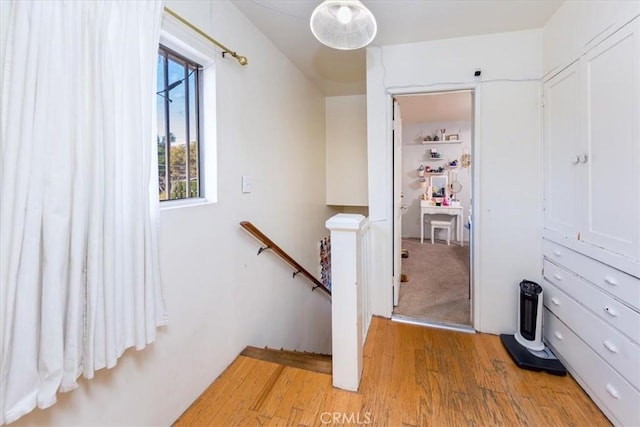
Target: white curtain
(79, 273)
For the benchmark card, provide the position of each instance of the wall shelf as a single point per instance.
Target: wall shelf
(457, 141)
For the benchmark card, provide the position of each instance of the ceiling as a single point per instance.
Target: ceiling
(286, 24)
(437, 107)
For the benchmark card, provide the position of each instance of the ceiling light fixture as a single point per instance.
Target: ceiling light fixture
(343, 24)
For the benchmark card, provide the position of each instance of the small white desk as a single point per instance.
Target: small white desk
(457, 211)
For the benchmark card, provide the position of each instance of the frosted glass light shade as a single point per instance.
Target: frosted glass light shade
(343, 24)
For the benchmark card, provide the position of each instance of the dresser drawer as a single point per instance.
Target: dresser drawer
(615, 396)
(604, 306)
(617, 283)
(616, 349)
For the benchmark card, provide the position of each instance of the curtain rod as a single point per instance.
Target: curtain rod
(242, 60)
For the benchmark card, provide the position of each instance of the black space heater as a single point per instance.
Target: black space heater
(526, 347)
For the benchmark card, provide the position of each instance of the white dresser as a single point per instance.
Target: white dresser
(592, 322)
(591, 236)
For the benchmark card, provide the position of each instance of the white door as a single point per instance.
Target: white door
(397, 200)
(562, 210)
(611, 73)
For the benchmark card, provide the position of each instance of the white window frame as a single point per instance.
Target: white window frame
(176, 36)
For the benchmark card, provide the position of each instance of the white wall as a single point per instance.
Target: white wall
(414, 154)
(507, 214)
(346, 137)
(220, 295)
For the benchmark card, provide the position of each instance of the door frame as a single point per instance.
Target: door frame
(474, 232)
(396, 132)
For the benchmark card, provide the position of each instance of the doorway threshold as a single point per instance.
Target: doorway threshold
(431, 324)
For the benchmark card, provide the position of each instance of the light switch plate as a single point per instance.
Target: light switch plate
(246, 184)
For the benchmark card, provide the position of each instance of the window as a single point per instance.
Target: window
(184, 53)
(178, 117)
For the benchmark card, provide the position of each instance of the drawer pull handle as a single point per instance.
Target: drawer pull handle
(558, 335)
(610, 280)
(612, 391)
(611, 311)
(610, 346)
(557, 276)
(555, 301)
(557, 252)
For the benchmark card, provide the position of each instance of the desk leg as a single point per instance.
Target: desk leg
(421, 227)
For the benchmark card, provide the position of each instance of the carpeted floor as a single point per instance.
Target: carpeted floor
(438, 286)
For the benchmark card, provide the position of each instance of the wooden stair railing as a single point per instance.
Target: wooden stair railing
(269, 244)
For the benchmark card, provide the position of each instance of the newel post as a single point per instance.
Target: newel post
(346, 299)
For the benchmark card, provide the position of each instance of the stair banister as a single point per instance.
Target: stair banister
(349, 311)
(271, 245)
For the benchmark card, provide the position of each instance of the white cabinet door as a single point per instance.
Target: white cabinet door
(611, 81)
(562, 195)
(592, 146)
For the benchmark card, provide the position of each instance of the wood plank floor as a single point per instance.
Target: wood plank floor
(413, 376)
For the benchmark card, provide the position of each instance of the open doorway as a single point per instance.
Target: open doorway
(433, 186)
